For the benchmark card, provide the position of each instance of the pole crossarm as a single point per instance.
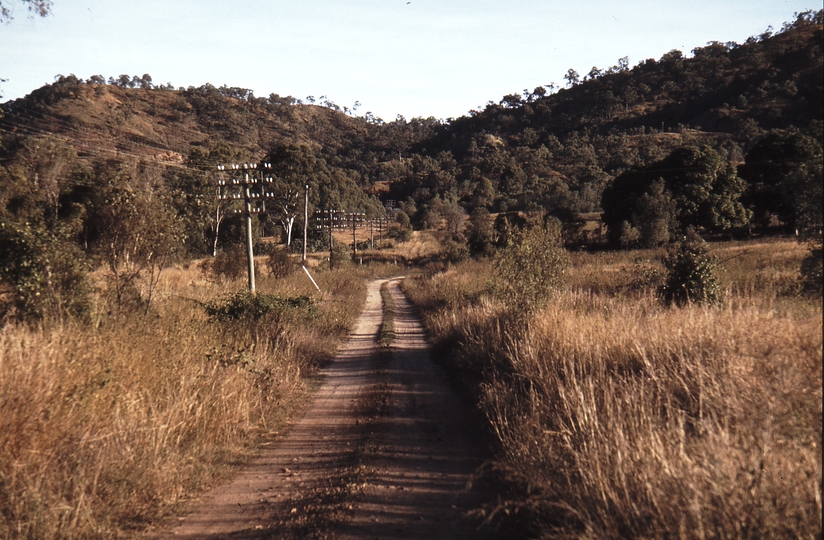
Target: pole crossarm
(339, 219)
(251, 183)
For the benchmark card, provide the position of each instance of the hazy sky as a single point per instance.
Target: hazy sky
(436, 58)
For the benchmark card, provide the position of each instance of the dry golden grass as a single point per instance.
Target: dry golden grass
(107, 427)
(421, 245)
(629, 419)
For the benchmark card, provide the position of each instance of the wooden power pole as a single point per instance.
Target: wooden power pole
(248, 182)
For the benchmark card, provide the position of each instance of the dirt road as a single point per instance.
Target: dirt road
(386, 450)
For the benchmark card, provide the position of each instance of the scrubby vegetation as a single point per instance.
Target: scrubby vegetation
(109, 426)
(618, 416)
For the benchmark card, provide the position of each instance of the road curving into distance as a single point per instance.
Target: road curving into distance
(385, 450)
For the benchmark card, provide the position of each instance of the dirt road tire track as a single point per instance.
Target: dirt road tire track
(420, 458)
(385, 450)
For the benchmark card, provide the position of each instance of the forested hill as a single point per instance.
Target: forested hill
(736, 90)
(549, 149)
(771, 81)
(725, 95)
(129, 117)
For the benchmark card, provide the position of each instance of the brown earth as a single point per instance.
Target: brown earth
(386, 450)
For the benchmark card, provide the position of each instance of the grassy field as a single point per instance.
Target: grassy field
(106, 427)
(619, 417)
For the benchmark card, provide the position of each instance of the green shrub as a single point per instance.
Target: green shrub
(45, 270)
(280, 264)
(263, 249)
(690, 274)
(532, 266)
(246, 305)
(480, 232)
(454, 252)
(399, 233)
(340, 256)
(227, 265)
(630, 236)
(403, 220)
(316, 239)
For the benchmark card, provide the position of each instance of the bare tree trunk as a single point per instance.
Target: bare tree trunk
(156, 265)
(218, 219)
(287, 226)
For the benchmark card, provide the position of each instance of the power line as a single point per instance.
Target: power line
(123, 137)
(98, 151)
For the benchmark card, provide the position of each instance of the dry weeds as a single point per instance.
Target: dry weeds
(632, 420)
(105, 428)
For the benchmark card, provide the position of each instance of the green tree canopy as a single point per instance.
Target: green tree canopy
(703, 186)
(784, 173)
(137, 232)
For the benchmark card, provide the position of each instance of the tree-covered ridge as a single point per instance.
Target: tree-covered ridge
(726, 95)
(774, 80)
(558, 150)
(656, 148)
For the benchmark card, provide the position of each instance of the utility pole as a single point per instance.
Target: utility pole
(247, 183)
(305, 221)
(355, 217)
(250, 253)
(331, 226)
(354, 238)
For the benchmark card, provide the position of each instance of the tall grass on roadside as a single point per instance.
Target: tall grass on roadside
(105, 428)
(630, 419)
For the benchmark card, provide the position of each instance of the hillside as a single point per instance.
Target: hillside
(548, 150)
(769, 82)
(103, 120)
(726, 95)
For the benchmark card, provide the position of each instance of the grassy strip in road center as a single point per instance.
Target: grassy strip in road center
(387, 333)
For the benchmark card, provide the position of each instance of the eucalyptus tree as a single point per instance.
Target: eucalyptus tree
(703, 187)
(41, 8)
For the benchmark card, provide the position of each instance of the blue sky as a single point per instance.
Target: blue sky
(425, 58)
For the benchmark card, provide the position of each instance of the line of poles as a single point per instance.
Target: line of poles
(251, 182)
